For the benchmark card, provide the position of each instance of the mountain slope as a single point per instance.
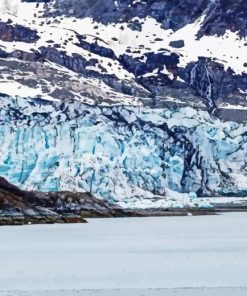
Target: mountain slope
(130, 52)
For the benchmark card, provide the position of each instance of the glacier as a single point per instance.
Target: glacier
(129, 155)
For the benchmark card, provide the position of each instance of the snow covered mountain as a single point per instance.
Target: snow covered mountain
(141, 103)
(130, 52)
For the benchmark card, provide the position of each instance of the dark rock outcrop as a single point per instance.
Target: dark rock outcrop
(177, 43)
(10, 32)
(18, 207)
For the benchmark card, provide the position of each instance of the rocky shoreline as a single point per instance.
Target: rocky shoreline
(54, 218)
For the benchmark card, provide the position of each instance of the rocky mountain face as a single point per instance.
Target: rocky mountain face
(127, 51)
(133, 101)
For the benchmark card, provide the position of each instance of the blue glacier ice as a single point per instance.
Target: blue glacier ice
(120, 153)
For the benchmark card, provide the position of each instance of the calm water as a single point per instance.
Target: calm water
(130, 253)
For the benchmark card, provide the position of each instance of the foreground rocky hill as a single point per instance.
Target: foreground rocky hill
(18, 207)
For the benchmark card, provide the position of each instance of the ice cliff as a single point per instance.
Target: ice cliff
(126, 155)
